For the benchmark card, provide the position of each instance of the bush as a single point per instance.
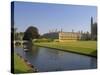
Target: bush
(56, 40)
(43, 40)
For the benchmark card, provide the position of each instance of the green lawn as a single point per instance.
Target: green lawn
(82, 47)
(20, 66)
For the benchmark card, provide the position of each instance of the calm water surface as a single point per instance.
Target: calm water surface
(45, 59)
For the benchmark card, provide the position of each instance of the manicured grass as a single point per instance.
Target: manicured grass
(82, 47)
(20, 66)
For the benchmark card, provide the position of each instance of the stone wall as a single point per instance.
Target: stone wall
(68, 36)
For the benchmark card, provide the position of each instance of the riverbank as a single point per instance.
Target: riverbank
(81, 47)
(20, 66)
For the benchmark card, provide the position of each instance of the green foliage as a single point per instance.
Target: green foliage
(43, 40)
(31, 33)
(56, 40)
(53, 35)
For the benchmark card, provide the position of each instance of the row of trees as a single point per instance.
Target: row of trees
(85, 36)
(32, 33)
(29, 34)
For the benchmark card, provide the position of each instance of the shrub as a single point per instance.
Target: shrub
(43, 40)
(56, 40)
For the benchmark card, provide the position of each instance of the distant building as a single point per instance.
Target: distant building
(68, 36)
(73, 36)
(63, 36)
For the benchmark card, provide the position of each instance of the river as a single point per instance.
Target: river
(46, 59)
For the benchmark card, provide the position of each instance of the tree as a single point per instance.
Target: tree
(94, 31)
(15, 33)
(31, 33)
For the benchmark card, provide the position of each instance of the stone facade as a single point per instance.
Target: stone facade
(68, 36)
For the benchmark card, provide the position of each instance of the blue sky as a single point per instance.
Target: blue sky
(53, 16)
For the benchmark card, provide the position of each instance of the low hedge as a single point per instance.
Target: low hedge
(43, 40)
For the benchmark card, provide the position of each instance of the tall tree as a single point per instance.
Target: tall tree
(15, 33)
(94, 31)
(31, 33)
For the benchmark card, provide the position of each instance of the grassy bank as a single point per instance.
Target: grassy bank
(82, 47)
(20, 66)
